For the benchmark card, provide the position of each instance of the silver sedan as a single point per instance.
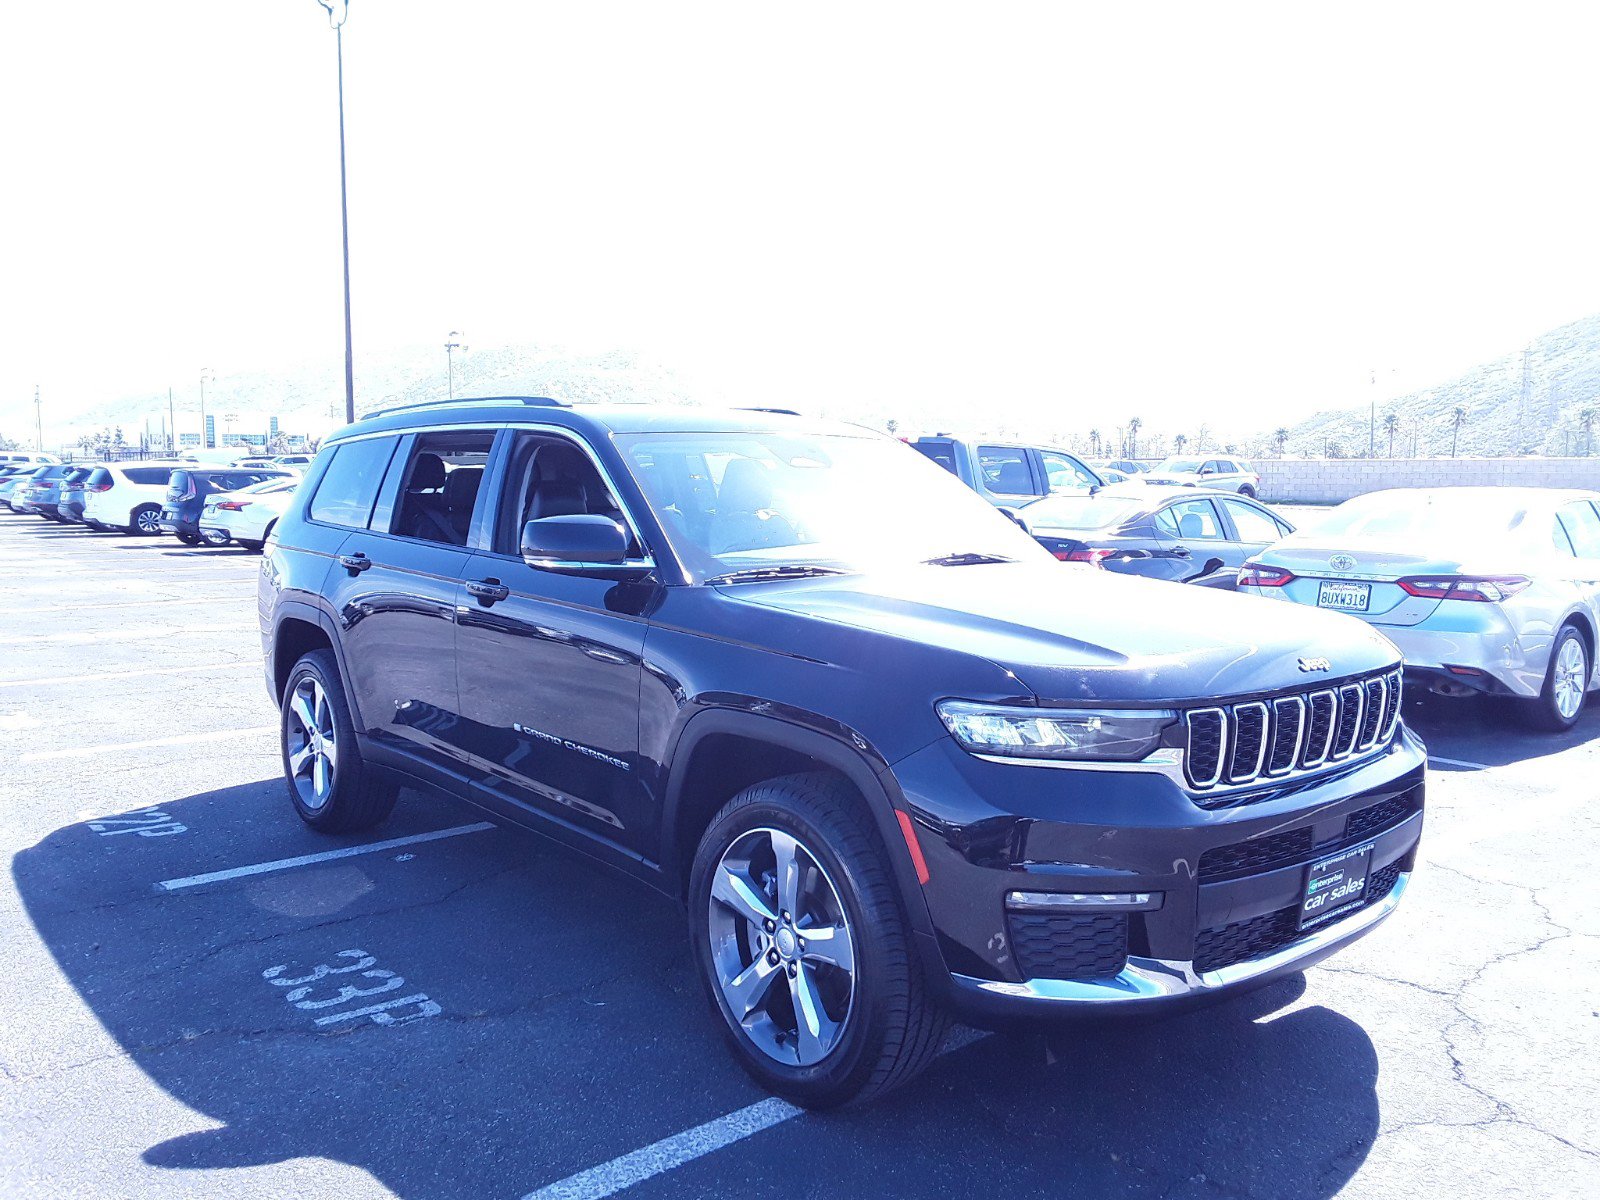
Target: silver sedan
(1491, 590)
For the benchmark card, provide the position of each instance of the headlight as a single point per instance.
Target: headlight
(1117, 735)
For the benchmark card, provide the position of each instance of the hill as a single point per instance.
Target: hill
(1531, 402)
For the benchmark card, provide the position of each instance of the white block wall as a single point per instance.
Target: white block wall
(1336, 480)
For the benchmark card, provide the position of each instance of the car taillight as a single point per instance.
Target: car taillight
(99, 487)
(233, 505)
(1094, 556)
(1483, 589)
(1256, 575)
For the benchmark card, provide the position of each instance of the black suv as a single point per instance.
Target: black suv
(898, 762)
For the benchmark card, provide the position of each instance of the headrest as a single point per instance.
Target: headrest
(557, 498)
(557, 460)
(427, 473)
(461, 486)
(746, 487)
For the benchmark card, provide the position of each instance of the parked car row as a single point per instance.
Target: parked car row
(193, 502)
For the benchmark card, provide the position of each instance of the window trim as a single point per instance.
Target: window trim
(1029, 461)
(322, 478)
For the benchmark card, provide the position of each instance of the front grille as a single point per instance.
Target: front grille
(1069, 945)
(1291, 846)
(1240, 744)
(1267, 934)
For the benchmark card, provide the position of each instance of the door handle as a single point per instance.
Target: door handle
(488, 591)
(354, 563)
(1181, 551)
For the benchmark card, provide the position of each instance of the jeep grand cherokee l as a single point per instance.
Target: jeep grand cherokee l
(899, 764)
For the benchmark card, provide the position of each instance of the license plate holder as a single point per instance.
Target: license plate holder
(1335, 885)
(1344, 596)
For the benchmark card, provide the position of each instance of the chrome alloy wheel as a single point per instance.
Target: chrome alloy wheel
(313, 743)
(782, 947)
(148, 521)
(1571, 678)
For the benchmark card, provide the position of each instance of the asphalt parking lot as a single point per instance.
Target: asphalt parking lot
(205, 998)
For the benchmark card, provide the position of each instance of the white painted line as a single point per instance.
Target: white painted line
(146, 603)
(138, 633)
(1458, 762)
(284, 864)
(609, 1178)
(96, 676)
(182, 739)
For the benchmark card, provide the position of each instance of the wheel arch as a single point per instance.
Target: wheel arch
(720, 752)
(1581, 621)
(298, 629)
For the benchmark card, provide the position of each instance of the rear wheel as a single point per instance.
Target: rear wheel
(189, 539)
(1247, 490)
(330, 785)
(1566, 684)
(146, 520)
(249, 545)
(803, 948)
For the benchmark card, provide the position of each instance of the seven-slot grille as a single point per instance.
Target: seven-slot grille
(1238, 744)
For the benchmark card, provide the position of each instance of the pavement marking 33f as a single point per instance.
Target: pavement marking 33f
(146, 822)
(319, 989)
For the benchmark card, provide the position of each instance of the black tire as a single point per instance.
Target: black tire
(142, 522)
(1544, 713)
(1247, 491)
(360, 795)
(893, 1027)
(188, 539)
(249, 545)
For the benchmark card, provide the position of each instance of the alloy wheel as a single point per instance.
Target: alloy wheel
(1571, 677)
(313, 743)
(148, 522)
(782, 947)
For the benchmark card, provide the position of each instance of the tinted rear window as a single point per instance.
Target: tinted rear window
(349, 487)
(147, 475)
(97, 477)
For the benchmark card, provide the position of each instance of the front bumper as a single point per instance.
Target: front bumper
(1214, 893)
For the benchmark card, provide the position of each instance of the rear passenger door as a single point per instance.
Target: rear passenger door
(397, 578)
(548, 663)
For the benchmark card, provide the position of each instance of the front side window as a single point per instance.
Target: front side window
(831, 501)
(440, 488)
(1583, 528)
(350, 484)
(1005, 472)
(1253, 524)
(1065, 473)
(550, 476)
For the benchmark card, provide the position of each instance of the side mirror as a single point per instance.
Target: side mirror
(579, 542)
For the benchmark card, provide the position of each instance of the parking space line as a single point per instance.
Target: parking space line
(145, 603)
(143, 633)
(97, 676)
(609, 1178)
(1458, 762)
(284, 864)
(182, 739)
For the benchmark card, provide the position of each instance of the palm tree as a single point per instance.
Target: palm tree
(1586, 423)
(1458, 418)
(1391, 426)
(1280, 437)
(1179, 442)
(1094, 442)
(1133, 437)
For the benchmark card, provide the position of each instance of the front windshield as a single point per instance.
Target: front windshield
(1179, 464)
(734, 502)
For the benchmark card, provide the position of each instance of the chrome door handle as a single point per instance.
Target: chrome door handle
(488, 591)
(354, 563)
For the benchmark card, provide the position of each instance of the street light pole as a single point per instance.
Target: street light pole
(38, 418)
(450, 347)
(338, 10)
(205, 373)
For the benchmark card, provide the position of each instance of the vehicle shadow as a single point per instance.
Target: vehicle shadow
(571, 1031)
(1488, 731)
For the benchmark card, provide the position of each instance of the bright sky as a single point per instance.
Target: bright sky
(1234, 210)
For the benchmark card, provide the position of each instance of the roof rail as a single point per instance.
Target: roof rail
(538, 401)
(782, 412)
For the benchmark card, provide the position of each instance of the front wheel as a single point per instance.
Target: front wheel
(1566, 683)
(803, 947)
(189, 539)
(146, 520)
(331, 786)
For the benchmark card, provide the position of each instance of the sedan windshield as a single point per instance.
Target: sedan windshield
(776, 504)
(1178, 464)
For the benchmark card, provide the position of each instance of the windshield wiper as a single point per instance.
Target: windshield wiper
(787, 571)
(967, 558)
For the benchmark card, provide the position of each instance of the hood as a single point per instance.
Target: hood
(1069, 634)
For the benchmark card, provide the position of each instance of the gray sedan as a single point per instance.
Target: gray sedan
(1493, 590)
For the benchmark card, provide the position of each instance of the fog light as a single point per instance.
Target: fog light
(1101, 901)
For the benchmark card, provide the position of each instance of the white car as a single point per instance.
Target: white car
(1484, 589)
(126, 496)
(1225, 474)
(24, 458)
(247, 515)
